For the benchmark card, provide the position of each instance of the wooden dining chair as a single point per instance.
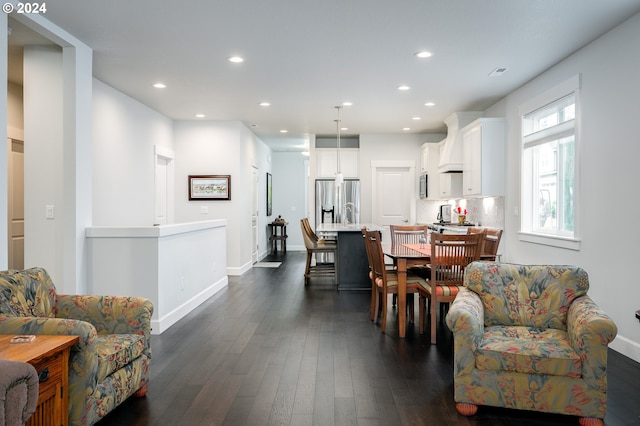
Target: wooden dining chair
(372, 276)
(410, 234)
(450, 254)
(385, 281)
(490, 243)
(316, 246)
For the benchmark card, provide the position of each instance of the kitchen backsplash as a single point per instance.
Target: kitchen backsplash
(487, 211)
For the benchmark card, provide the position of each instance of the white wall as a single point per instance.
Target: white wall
(223, 148)
(608, 157)
(124, 135)
(43, 153)
(289, 194)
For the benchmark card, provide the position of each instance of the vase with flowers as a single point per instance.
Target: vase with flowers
(462, 215)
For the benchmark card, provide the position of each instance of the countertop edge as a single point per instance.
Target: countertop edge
(151, 231)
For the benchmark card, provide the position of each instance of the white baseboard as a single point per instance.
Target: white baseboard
(239, 270)
(162, 324)
(626, 347)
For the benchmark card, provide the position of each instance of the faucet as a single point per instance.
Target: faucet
(347, 208)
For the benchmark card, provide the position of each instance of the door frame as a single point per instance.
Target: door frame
(167, 155)
(392, 164)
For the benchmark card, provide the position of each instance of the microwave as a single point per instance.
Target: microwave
(424, 192)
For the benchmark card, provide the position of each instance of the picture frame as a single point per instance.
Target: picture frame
(209, 187)
(269, 195)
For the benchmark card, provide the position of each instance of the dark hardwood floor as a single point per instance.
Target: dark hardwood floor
(269, 351)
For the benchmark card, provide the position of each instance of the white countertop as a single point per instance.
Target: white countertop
(151, 231)
(349, 227)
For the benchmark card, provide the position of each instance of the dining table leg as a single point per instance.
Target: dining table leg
(402, 296)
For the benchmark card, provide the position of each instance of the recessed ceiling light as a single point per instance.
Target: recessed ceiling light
(429, 104)
(404, 87)
(406, 129)
(344, 128)
(159, 85)
(347, 103)
(416, 118)
(264, 104)
(200, 115)
(305, 153)
(236, 59)
(423, 54)
(284, 131)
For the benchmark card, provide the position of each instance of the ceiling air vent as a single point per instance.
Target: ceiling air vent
(497, 72)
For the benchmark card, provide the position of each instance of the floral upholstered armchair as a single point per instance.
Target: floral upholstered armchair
(111, 360)
(529, 338)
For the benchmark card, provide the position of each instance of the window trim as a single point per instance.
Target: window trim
(566, 88)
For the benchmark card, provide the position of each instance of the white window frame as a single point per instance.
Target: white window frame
(527, 233)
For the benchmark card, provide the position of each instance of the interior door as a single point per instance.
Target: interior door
(164, 186)
(254, 214)
(161, 191)
(16, 204)
(394, 190)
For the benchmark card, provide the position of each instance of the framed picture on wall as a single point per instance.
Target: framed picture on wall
(209, 187)
(269, 196)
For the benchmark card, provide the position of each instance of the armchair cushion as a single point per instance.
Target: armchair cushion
(535, 296)
(27, 295)
(116, 351)
(528, 350)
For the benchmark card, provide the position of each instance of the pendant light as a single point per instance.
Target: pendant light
(339, 175)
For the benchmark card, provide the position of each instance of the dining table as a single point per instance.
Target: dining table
(405, 256)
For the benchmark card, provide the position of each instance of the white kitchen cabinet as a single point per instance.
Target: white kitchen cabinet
(424, 157)
(429, 159)
(483, 164)
(327, 162)
(450, 185)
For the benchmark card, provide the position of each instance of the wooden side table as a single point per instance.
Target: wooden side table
(275, 236)
(50, 356)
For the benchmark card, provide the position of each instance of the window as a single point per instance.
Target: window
(549, 167)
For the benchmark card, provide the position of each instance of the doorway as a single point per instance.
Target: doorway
(16, 203)
(393, 195)
(254, 214)
(164, 178)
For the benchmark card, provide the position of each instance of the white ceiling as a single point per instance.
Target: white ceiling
(307, 56)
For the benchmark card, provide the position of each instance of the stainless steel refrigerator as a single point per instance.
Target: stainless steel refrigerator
(343, 201)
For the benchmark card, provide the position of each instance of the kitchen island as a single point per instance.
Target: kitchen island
(352, 262)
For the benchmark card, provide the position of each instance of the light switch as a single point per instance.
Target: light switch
(50, 212)
(204, 209)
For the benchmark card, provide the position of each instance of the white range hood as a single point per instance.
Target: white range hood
(451, 149)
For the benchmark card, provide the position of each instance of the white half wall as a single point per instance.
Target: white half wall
(177, 266)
